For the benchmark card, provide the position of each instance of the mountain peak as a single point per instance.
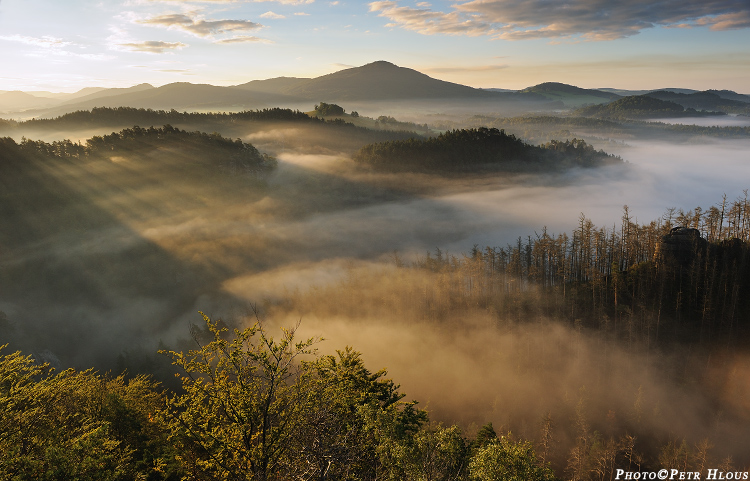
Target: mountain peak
(381, 80)
(380, 64)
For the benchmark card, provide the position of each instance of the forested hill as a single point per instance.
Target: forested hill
(640, 107)
(216, 148)
(704, 100)
(472, 149)
(98, 116)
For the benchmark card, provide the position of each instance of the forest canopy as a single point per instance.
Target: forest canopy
(252, 408)
(224, 151)
(468, 149)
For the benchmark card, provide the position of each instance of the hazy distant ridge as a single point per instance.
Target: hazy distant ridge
(379, 81)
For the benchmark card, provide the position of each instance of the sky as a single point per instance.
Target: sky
(513, 44)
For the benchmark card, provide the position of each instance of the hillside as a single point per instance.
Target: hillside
(178, 95)
(375, 81)
(730, 94)
(570, 95)
(83, 96)
(639, 107)
(383, 81)
(16, 100)
(703, 100)
(278, 85)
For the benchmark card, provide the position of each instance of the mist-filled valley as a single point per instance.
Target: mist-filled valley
(111, 244)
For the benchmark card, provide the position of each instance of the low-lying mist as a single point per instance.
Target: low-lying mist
(719, 121)
(468, 365)
(148, 245)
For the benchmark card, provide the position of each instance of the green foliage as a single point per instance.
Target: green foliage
(485, 436)
(78, 425)
(323, 109)
(340, 437)
(253, 408)
(506, 460)
(436, 453)
(245, 400)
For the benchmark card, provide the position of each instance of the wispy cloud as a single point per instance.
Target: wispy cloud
(243, 39)
(179, 71)
(152, 46)
(429, 22)
(286, 2)
(51, 46)
(283, 2)
(197, 26)
(143, 2)
(43, 42)
(586, 19)
(478, 68)
(272, 15)
(301, 14)
(729, 21)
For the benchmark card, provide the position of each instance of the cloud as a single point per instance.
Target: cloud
(428, 22)
(586, 19)
(152, 46)
(480, 68)
(301, 14)
(243, 39)
(44, 42)
(142, 2)
(283, 2)
(272, 15)
(287, 2)
(729, 21)
(197, 26)
(51, 46)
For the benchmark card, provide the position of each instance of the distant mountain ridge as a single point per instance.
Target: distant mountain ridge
(378, 81)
